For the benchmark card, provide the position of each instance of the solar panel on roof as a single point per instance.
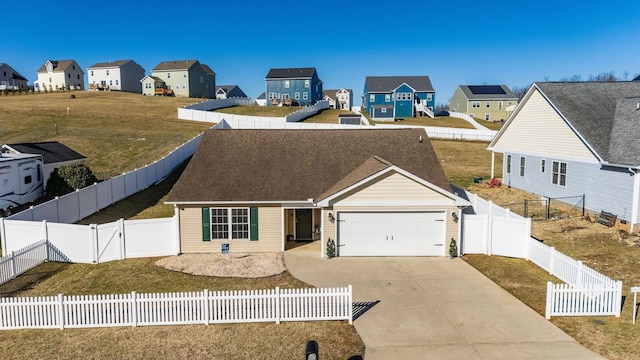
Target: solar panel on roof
(487, 89)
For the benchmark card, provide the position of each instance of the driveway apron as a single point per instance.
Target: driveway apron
(434, 308)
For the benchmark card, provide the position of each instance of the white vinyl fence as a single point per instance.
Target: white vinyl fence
(83, 202)
(203, 307)
(493, 230)
(204, 112)
(18, 262)
(91, 244)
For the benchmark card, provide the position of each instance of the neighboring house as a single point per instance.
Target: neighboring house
(569, 139)
(487, 102)
(252, 190)
(10, 79)
(229, 91)
(57, 75)
(293, 86)
(187, 78)
(153, 85)
(341, 99)
(54, 154)
(261, 100)
(393, 97)
(120, 75)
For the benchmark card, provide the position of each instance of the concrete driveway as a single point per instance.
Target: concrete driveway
(435, 308)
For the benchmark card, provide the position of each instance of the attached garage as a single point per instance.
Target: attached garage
(418, 233)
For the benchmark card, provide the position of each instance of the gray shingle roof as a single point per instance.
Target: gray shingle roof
(389, 83)
(231, 90)
(295, 165)
(111, 64)
(58, 65)
(16, 75)
(601, 113)
(487, 92)
(291, 73)
(175, 65)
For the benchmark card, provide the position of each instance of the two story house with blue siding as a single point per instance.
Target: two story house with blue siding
(293, 86)
(392, 97)
(569, 139)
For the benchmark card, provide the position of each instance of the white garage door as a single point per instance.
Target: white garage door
(391, 234)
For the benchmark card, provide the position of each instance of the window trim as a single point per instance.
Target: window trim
(559, 173)
(522, 165)
(508, 163)
(372, 97)
(543, 164)
(250, 227)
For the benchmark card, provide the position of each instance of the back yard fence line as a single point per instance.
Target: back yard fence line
(493, 230)
(86, 201)
(203, 307)
(20, 261)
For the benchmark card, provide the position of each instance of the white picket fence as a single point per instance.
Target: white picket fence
(493, 230)
(583, 300)
(203, 307)
(18, 262)
(83, 202)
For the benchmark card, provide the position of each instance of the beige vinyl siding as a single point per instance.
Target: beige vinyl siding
(538, 129)
(458, 102)
(392, 189)
(270, 224)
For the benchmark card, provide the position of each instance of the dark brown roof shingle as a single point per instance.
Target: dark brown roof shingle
(295, 165)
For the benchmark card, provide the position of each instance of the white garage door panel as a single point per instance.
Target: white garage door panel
(391, 233)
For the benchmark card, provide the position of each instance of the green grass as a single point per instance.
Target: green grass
(117, 132)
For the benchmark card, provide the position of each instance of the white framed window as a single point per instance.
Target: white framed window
(487, 117)
(307, 83)
(107, 72)
(168, 75)
(372, 98)
(117, 82)
(305, 95)
(429, 96)
(488, 104)
(284, 96)
(91, 72)
(273, 96)
(543, 163)
(230, 223)
(110, 82)
(383, 110)
(475, 104)
(559, 173)
(286, 84)
(297, 96)
(184, 75)
(387, 97)
(522, 163)
(508, 164)
(500, 105)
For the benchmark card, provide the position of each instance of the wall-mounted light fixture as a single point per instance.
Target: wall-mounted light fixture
(454, 216)
(331, 218)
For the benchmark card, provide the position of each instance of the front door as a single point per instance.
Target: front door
(304, 226)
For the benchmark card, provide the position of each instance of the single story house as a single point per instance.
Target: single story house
(153, 85)
(54, 154)
(229, 91)
(253, 190)
(573, 139)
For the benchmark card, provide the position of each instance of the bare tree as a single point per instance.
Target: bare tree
(520, 91)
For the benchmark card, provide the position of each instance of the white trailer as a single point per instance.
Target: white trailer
(21, 180)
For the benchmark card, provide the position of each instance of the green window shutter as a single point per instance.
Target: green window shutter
(206, 224)
(253, 223)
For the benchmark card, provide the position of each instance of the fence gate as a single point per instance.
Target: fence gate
(474, 234)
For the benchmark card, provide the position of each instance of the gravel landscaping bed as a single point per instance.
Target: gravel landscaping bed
(244, 265)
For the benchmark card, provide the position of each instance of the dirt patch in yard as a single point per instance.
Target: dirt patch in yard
(243, 265)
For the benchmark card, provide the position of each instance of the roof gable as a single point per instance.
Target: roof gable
(59, 65)
(295, 165)
(390, 83)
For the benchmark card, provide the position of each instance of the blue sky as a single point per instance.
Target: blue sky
(453, 42)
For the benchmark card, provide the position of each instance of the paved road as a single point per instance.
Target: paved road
(435, 308)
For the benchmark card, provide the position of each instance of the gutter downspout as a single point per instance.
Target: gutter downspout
(493, 159)
(635, 199)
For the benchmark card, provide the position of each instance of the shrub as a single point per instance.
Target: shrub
(68, 178)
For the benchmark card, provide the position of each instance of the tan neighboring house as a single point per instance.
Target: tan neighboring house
(57, 75)
(153, 85)
(341, 99)
(261, 190)
(10, 79)
(187, 78)
(486, 102)
(120, 75)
